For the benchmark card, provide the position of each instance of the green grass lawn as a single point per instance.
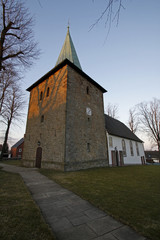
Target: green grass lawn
(17, 162)
(130, 194)
(20, 218)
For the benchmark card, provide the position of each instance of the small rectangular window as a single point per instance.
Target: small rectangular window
(41, 95)
(42, 118)
(47, 92)
(87, 90)
(88, 147)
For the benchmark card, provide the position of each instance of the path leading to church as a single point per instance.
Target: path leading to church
(69, 216)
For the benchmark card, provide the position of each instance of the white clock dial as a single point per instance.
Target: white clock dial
(88, 111)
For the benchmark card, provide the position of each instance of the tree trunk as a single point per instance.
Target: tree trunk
(5, 139)
(2, 100)
(159, 151)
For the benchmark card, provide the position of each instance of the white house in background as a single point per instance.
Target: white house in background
(124, 147)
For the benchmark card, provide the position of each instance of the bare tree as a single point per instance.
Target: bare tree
(112, 110)
(12, 111)
(111, 13)
(17, 45)
(6, 83)
(150, 118)
(133, 120)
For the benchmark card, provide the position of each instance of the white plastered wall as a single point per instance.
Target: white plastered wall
(128, 159)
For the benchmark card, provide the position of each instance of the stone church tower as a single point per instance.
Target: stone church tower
(65, 125)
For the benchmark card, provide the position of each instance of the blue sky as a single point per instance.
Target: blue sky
(126, 63)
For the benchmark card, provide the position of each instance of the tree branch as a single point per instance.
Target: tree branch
(3, 6)
(110, 14)
(12, 34)
(16, 35)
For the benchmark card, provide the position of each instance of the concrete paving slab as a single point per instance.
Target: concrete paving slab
(104, 225)
(44, 199)
(107, 236)
(60, 224)
(69, 216)
(95, 213)
(58, 212)
(79, 220)
(74, 215)
(82, 232)
(126, 233)
(80, 206)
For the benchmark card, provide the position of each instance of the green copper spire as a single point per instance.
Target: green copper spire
(68, 51)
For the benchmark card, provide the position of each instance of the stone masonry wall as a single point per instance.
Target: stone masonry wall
(46, 122)
(85, 134)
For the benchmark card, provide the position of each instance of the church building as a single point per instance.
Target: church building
(65, 124)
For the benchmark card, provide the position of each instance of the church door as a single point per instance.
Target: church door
(142, 160)
(121, 158)
(117, 158)
(113, 154)
(38, 157)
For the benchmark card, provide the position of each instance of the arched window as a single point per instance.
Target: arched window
(124, 148)
(110, 141)
(42, 118)
(137, 148)
(41, 95)
(88, 147)
(131, 148)
(47, 92)
(87, 90)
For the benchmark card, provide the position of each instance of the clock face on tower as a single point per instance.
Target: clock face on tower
(88, 111)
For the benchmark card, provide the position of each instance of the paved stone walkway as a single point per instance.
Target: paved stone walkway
(69, 216)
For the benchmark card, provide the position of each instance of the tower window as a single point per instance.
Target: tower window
(87, 90)
(88, 147)
(41, 95)
(47, 92)
(42, 118)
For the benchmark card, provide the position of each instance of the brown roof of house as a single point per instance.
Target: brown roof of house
(62, 64)
(152, 154)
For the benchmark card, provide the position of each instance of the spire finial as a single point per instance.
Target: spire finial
(68, 24)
